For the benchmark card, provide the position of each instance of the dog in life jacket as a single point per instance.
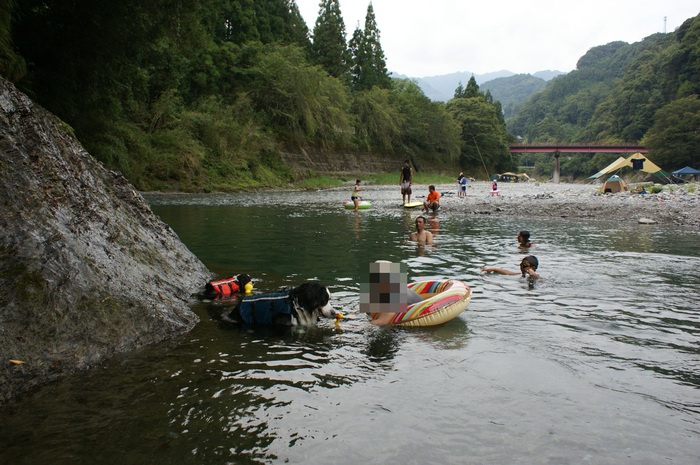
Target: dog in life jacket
(301, 306)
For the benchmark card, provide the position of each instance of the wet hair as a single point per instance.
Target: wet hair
(421, 218)
(358, 180)
(525, 235)
(532, 260)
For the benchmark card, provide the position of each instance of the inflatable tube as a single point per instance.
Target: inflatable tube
(442, 301)
(364, 205)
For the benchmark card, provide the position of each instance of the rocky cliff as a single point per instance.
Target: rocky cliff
(86, 269)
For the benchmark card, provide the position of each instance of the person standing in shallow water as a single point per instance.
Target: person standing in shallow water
(406, 181)
(356, 194)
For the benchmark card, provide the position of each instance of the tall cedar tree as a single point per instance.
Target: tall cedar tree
(297, 30)
(329, 47)
(472, 90)
(368, 62)
(266, 21)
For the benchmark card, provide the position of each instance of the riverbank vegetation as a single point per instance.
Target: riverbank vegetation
(208, 95)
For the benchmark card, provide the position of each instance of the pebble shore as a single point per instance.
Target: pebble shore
(674, 204)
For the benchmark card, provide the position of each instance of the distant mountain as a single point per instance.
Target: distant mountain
(442, 88)
(513, 91)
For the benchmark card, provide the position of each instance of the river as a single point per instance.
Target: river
(599, 363)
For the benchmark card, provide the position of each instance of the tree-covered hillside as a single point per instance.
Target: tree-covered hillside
(514, 91)
(206, 95)
(646, 92)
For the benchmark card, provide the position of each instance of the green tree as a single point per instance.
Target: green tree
(472, 89)
(368, 62)
(299, 99)
(329, 47)
(377, 120)
(674, 138)
(459, 91)
(426, 127)
(297, 31)
(12, 66)
(484, 139)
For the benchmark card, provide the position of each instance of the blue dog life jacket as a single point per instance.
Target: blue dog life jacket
(262, 309)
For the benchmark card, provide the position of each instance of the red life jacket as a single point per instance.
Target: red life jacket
(225, 286)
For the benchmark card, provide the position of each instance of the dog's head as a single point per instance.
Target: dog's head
(311, 301)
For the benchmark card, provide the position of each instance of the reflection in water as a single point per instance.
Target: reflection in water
(434, 224)
(598, 363)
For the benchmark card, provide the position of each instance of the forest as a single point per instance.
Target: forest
(205, 96)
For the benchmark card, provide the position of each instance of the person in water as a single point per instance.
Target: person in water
(421, 235)
(406, 181)
(528, 268)
(524, 240)
(356, 194)
(387, 293)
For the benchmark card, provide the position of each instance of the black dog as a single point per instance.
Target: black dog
(301, 306)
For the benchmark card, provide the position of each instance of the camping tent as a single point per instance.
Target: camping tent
(614, 184)
(637, 161)
(616, 165)
(510, 177)
(685, 172)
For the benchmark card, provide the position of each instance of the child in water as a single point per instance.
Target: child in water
(524, 240)
(528, 268)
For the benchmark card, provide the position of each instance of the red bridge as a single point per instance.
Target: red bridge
(558, 149)
(577, 148)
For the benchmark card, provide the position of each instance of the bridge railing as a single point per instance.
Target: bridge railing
(577, 148)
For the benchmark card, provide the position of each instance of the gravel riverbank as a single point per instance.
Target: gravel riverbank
(675, 204)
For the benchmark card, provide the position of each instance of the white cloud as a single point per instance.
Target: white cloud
(428, 38)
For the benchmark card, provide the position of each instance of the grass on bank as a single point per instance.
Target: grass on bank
(376, 179)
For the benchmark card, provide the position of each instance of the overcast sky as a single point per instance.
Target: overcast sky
(436, 37)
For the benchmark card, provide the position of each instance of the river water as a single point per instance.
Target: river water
(599, 363)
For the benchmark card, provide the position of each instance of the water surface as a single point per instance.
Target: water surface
(598, 364)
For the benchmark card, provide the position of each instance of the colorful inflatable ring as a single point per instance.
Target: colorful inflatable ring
(442, 301)
(363, 205)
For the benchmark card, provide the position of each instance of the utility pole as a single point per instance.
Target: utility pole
(664, 24)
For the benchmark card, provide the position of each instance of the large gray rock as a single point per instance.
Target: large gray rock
(86, 269)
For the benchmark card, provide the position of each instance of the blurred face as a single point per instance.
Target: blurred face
(420, 223)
